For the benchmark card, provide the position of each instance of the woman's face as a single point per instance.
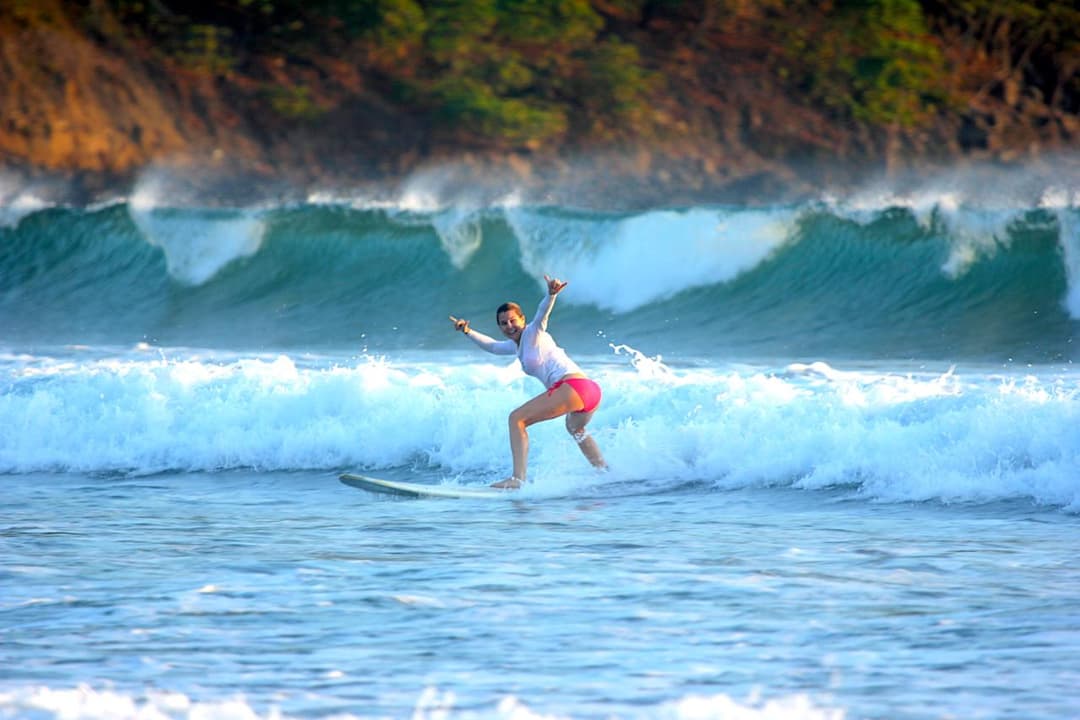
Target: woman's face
(511, 322)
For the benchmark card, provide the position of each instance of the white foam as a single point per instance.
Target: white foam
(199, 243)
(460, 234)
(1060, 197)
(17, 200)
(722, 707)
(954, 436)
(1069, 223)
(976, 230)
(650, 256)
(973, 232)
(87, 703)
(973, 235)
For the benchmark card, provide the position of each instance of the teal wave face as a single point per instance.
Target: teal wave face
(793, 282)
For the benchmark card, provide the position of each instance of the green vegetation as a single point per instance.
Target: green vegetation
(524, 73)
(517, 72)
(294, 103)
(873, 61)
(206, 49)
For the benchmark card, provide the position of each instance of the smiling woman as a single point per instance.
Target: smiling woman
(569, 391)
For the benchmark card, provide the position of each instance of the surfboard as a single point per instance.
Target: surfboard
(418, 490)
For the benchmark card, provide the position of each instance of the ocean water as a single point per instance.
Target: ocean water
(844, 439)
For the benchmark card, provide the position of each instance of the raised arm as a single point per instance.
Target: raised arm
(543, 312)
(493, 346)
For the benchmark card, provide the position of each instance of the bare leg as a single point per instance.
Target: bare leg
(575, 425)
(542, 407)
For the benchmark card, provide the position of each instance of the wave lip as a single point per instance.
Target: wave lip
(198, 246)
(625, 263)
(811, 280)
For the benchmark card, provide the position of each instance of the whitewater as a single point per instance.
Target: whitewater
(843, 438)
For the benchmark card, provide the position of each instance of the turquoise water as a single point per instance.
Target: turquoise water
(844, 441)
(778, 283)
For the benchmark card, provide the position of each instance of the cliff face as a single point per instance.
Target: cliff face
(71, 105)
(76, 106)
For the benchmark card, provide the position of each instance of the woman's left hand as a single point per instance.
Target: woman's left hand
(555, 285)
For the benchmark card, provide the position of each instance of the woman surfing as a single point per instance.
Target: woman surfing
(569, 391)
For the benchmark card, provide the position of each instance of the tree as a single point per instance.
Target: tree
(874, 61)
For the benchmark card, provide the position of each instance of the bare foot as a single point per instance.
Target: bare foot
(511, 483)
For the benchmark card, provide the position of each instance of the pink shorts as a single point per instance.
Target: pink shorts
(586, 389)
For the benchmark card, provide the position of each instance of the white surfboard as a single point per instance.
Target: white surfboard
(418, 490)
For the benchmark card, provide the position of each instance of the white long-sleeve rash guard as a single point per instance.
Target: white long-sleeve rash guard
(540, 357)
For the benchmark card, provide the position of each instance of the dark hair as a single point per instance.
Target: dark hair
(507, 307)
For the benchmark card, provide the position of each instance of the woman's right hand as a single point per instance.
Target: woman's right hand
(462, 325)
(555, 285)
